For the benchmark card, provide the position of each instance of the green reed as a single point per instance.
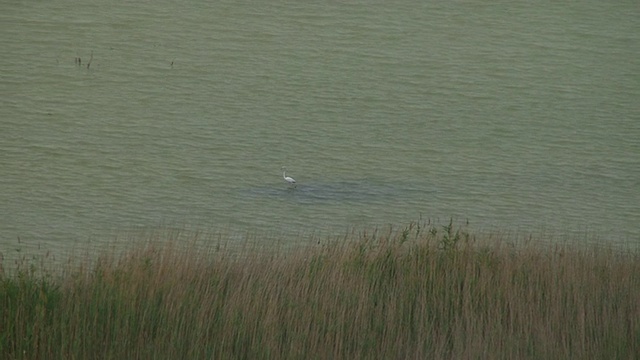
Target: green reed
(421, 291)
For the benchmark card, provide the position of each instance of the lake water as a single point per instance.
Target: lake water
(138, 115)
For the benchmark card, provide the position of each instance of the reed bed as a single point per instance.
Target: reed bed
(422, 292)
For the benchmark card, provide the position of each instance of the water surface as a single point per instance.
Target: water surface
(521, 117)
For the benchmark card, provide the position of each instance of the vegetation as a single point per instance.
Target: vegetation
(423, 291)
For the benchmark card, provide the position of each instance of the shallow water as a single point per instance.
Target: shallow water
(521, 117)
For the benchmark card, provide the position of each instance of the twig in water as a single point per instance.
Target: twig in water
(91, 58)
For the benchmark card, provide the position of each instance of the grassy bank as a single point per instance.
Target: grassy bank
(418, 292)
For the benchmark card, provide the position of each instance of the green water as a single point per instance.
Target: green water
(521, 117)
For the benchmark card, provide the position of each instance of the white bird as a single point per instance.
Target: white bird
(286, 178)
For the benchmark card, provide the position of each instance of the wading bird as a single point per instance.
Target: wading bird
(286, 178)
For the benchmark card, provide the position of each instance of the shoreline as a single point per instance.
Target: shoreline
(415, 291)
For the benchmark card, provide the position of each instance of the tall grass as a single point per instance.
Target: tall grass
(416, 292)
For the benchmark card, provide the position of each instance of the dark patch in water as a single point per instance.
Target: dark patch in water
(346, 191)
